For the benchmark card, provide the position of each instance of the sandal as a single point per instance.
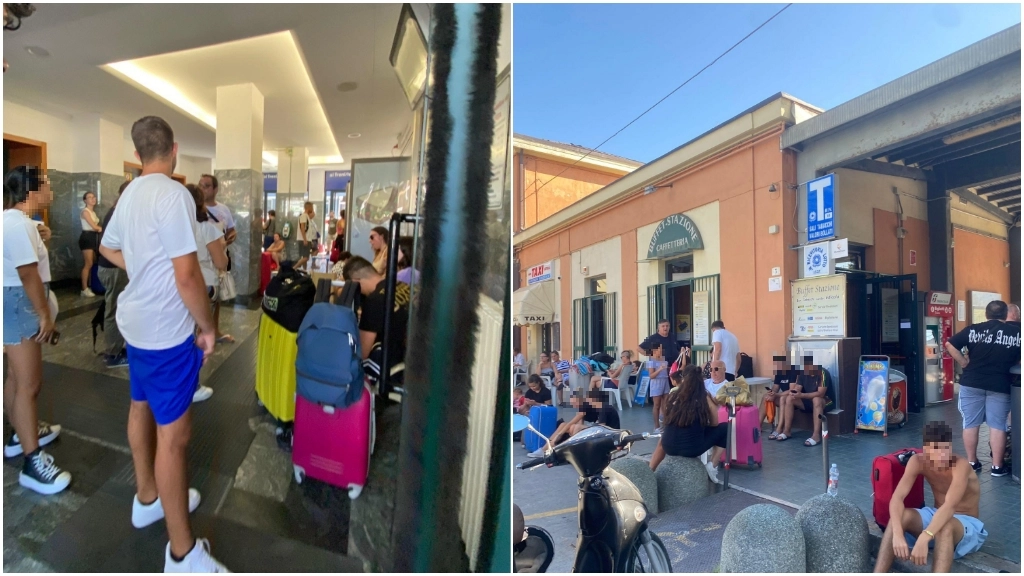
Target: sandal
(226, 338)
(811, 442)
(774, 435)
(782, 437)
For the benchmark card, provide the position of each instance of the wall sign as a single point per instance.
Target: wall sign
(816, 260)
(677, 234)
(701, 335)
(819, 306)
(913, 257)
(840, 248)
(270, 182)
(979, 300)
(821, 208)
(961, 311)
(337, 180)
(538, 273)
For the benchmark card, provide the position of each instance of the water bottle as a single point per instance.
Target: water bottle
(833, 480)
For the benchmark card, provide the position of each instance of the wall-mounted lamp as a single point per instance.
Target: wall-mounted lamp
(773, 188)
(649, 189)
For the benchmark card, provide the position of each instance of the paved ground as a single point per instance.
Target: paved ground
(257, 519)
(792, 473)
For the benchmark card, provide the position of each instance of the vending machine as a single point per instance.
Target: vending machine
(938, 327)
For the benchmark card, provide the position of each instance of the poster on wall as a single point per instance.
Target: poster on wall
(701, 336)
(890, 315)
(499, 145)
(872, 393)
(682, 326)
(979, 300)
(819, 307)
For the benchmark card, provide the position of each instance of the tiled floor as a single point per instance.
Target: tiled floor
(791, 472)
(256, 517)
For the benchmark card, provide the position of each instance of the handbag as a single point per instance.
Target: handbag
(742, 399)
(227, 287)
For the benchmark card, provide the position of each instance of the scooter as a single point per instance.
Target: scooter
(614, 535)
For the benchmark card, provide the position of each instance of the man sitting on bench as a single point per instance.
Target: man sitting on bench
(807, 394)
(784, 376)
(951, 527)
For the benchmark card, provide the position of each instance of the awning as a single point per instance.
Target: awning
(534, 304)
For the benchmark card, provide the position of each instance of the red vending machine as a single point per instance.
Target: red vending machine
(938, 327)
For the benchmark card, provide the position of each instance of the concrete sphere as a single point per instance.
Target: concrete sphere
(836, 535)
(638, 471)
(681, 481)
(763, 538)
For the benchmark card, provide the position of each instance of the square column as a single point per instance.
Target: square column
(239, 172)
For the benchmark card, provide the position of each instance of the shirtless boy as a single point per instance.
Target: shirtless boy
(952, 527)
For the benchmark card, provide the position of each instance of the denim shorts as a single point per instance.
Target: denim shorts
(20, 318)
(974, 532)
(977, 406)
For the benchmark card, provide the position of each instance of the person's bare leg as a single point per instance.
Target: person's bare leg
(656, 402)
(885, 554)
(716, 455)
(945, 546)
(142, 439)
(172, 481)
(819, 409)
(10, 386)
(657, 456)
(790, 406)
(997, 440)
(762, 411)
(971, 443)
(26, 364)
(216, 318)
(89, 257)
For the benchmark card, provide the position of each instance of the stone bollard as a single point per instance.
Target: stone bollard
(681, 481)
(836, 535)
(638, 471)
(763, 538)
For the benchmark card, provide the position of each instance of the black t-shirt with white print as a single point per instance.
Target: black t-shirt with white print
(993, 347)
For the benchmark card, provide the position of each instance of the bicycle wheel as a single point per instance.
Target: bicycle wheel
(648, 555)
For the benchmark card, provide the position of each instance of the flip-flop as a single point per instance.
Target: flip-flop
(773, 436)
(782, 437)
(810, 442)
(226, 338)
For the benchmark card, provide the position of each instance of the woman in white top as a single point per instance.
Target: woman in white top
(89, 241)
(211, 248)
(28, 322)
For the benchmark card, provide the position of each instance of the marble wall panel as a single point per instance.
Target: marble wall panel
(242, 191)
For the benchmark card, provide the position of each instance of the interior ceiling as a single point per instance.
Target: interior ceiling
(196, 47)
(980, 138)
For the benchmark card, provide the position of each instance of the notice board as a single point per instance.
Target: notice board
(819, 307)
(700, 319)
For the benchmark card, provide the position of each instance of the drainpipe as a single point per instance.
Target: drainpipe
(901, 232)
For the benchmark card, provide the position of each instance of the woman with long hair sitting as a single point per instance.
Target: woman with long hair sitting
(691, 422)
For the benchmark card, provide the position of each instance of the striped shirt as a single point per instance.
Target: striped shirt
(563, 369)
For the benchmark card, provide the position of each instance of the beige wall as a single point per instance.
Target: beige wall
(975, 218)
(705, 262)
(860, 193)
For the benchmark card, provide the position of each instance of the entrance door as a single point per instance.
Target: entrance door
(887, 313)
(593, 325)
(674, 301)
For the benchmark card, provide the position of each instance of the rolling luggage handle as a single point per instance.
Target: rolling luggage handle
(730, 409)
(397, 219)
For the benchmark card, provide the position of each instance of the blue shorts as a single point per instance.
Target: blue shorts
(20, 318)
(974, 532)
(166, 379)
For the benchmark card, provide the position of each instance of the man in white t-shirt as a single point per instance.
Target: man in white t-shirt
(152, 235)
(221, 217)
(726, 348)
(309, 234)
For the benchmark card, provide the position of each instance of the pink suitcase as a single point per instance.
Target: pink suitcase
(744, 436)
(334, 444)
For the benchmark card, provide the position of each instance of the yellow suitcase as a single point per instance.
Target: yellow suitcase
(275, 369)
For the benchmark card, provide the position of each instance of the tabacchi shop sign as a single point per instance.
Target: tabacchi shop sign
(538, 273)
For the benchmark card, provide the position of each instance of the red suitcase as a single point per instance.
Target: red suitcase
(333, 445)
(267, 266)
(886, 473)
(745, 436)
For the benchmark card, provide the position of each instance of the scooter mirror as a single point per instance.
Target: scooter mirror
(519, 422)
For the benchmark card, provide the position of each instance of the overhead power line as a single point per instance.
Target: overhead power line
(655, 105)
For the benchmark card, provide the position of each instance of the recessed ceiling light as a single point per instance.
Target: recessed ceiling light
(354, 135)
(37, 51)
(347, 86)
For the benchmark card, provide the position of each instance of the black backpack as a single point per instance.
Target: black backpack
(746, 367)
(288, 297)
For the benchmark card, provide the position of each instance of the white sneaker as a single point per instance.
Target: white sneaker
(538, 453)
(47, 433)
(198, 560)
(202, 393)
(712, 471)
(143, 515)
(704, 458)
(87, 293)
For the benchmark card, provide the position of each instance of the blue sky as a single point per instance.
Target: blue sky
(582, 71)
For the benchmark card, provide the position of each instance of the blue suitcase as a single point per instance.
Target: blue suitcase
(545, 420)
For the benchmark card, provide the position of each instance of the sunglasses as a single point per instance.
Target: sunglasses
(716, 369)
